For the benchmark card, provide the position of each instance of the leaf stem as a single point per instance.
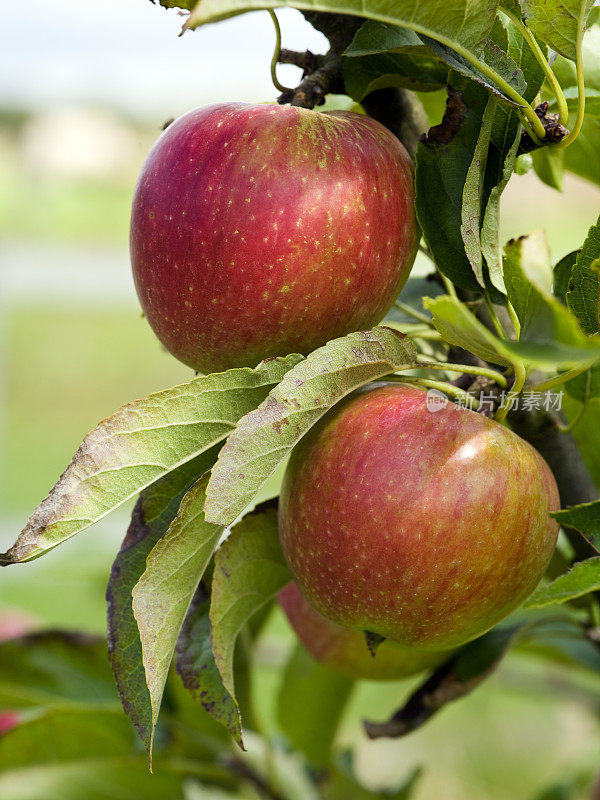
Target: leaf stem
(412, 312)
(275, 60)
(449, 286)
(514, 319)
(574, 422)
(494, 317)
(429, 334)
(414, 330)
(498, 377)
(441, 386)
(563, 110)
(580, 412)
(558, 380)
(526, 109)
(506, 405)
(570, 138)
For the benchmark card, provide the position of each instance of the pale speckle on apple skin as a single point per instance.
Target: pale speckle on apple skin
(451, 509)
(228, 220)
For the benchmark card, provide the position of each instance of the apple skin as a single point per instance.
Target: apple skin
(261, 230)
(344, 650)
(426, 528)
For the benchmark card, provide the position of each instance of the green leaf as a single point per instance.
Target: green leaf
(550, 334)
(585, 387)
(528, 274)
(562, 275)
(379, 37)
(310, 705)
(583, 297)
(459, 327)
(559, 23)
(398, 53)
(564, 641)
(143, 441)
(464, 166)
(265, 436)
(249, 571)
(55, 668)
(419, 72)
(506, 138)
(549, 166)
(490, 225)
(583, 155)
(585, 518)
(584, 577)
(592, 101)
(458, 23)
(512, 6)
(522, 54)
(586, 433)
(198, 670)
(162, 595)
(152, 515)
(473, 194)
(490, 55)
(68, 754)
(443, 160)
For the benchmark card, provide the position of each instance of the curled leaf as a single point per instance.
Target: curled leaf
(140, 443)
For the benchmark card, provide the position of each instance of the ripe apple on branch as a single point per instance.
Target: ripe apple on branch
(262, 230)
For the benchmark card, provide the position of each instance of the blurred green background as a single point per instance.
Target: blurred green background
(74, 347)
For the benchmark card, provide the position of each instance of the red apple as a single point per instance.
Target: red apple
(8, 721)
(262, 230)
(424, 527)
(345, 650)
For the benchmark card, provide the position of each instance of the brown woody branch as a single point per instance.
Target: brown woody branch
(554, 130)
(398, 109)
(307, 61)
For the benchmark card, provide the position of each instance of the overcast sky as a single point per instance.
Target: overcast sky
(128, 53)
